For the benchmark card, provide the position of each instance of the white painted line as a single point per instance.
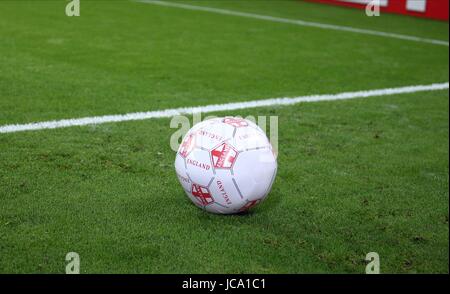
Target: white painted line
(216, 107)
(297, 22)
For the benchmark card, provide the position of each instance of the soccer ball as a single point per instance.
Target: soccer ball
(226, 165)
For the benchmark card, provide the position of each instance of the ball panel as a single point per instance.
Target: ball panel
(225, 192)
(187, 145)
(180, 169)
(218, 209)
(250, 204)
(198, 167)
(249, 138)
(224, 156)
(253, 125)
(269, 188)
(253, 173)
(213, 134)
(202, 194)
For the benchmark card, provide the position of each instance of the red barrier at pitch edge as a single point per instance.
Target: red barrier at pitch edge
(434, 9)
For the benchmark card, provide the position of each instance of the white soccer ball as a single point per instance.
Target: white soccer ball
(226, 165)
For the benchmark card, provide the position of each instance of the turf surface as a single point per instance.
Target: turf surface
(354, 176)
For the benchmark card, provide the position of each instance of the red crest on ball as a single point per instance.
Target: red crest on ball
(202, 194)
(235, 122)
(223, 156)
(187, 145)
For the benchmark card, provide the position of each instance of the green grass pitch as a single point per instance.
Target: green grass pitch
(354, 176)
